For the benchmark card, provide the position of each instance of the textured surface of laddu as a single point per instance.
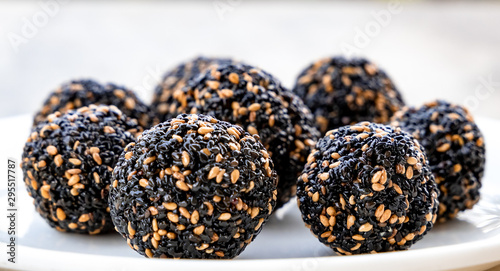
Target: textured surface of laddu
(455, 148)
(68, 162)
(176, 79)
(342, 91)
(368, 188)
(78, 93)
(193, 187)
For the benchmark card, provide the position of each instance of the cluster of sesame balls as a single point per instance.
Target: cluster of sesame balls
(199, 171)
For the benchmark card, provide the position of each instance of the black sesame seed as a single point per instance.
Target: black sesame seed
(343, 91)
(67, 163)
(456, 151)
(210, 207)
(357, 196)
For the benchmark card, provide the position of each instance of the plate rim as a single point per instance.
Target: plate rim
(463, 255)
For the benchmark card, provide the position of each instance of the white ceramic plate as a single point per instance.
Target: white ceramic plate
(471, 242)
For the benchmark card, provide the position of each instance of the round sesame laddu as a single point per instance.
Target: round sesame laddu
(455, 147)
(67, 165)
(342, 91)
(193, 187)
(249, 97)
(368, 188)
(78, 93)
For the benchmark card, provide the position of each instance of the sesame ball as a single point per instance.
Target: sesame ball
(342, 91)
(455, 148)
(67, 164)
(176, 79)
(78, 93)
(193, 187)
(249, 97)
(367, 188)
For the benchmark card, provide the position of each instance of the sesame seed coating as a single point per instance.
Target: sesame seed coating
(303, 139)
(355, 193)
(455, 148)
(79, 93)
(342, 91)
(210, 205)
(67, 166)
(176, 79)
(251, 98)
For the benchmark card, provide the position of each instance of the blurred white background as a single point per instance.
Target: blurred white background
(431, 49)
